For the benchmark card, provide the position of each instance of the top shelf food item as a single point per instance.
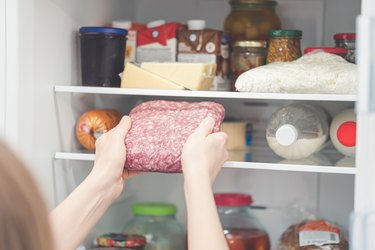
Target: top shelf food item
(251, 20)
(303, 75)
(285, 46)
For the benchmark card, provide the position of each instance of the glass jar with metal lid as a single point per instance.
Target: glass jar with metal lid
(117, 241)
(251, 20)
(346, 41)
(245, 56)
(285, 46)
(158, 223)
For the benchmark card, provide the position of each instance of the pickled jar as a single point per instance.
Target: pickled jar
(251, 20)
(241, 228)
(158, 224)
(284, 46)
(245, 56)
(346, 41)
(118, 241)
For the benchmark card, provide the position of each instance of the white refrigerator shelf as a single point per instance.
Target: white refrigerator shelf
(203, 94)
(241, 165)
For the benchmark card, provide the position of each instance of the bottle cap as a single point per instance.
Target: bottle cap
(122, 24)
(196, 24)
(155, 23)
(286, 135)
(346, 134)
(233, 199)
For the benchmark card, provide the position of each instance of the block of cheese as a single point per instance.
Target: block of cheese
(239, 134)
(194, 76)
(139, 78)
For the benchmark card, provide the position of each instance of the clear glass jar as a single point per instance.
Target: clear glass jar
(251, 20)
(158, 224)
(246, 55)
(116, 241)
(242, 230)
(346, 41)
(285, 46)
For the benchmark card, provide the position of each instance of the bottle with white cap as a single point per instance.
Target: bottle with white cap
(297, 131)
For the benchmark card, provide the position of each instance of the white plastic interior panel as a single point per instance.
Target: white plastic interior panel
(2, 66)
(48, 54)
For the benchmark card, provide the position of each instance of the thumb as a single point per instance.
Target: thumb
(123, 127)
(206, 126)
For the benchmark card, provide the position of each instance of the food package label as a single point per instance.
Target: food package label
(206, 46)
(158, 44)
(131, 46)
(318, 233)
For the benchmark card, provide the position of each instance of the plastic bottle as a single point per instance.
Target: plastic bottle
(343, 132)
(297, 131)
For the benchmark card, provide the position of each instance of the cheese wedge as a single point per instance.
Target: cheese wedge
(194, 76)
(138, 78)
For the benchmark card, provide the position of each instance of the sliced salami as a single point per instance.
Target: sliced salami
(160, 129)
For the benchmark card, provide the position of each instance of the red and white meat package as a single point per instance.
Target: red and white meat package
(160, 129)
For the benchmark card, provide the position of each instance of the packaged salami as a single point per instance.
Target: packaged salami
(316, 234)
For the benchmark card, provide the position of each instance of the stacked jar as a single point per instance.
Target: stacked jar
(241, 228)
(247, 27)
(285, 46)
(158, 224)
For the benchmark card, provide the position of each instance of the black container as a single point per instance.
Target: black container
(102, 55)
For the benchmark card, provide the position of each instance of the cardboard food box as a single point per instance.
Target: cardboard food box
(206, 46)
(158, 43)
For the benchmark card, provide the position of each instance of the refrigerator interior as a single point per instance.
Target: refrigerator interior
(49, 57)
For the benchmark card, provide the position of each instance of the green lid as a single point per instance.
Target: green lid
(154, 209)
(277, 33)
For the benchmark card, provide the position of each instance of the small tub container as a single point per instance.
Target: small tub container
(102, 55)
(346, 41)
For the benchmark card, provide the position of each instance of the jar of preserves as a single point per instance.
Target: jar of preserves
(117, 241)
(246, 55)
(251, 20)
(158, 224)
(285, 46)
(242, 230)
(346, 41)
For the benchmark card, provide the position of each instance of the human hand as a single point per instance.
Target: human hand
(110, 157)
(204, 152)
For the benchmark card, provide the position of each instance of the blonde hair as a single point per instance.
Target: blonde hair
(24, 221)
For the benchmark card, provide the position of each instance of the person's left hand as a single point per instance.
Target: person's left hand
(110, 157)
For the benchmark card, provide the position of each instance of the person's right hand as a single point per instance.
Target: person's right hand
(204, 152)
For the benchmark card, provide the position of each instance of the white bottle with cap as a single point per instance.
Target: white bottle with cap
(297, 131)
(343, 132)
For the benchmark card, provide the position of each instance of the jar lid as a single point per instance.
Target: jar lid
(122, 24)
(233, 199)
(254, 2)
(196, 24)
(277, 33)
(93, 30)
(120, 240)
(154, 209)
(345, 36)
(337, 51)
(346, 133)
(256, 44)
